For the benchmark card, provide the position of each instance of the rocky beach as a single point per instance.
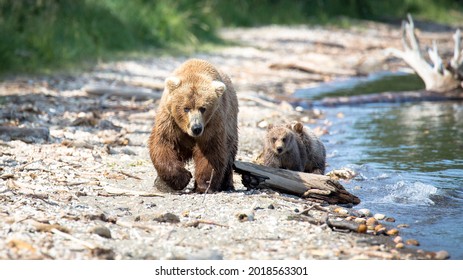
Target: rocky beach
(80, 186)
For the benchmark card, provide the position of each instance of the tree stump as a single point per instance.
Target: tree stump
(319, 188)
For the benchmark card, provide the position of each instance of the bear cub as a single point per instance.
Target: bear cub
(196, 119)
(293, 147)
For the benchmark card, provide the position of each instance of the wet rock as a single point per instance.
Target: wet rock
(393, 231)
(399, 245)
(398, 239)
(442, 255)
(343, 173)
(362, 228)
(167, 218)
(360, 220)
(371, 222)
(101, 231)
(379, 216)
(390, 220)
(412, 242)
(364, 212)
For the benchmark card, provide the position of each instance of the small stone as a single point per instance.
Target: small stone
(379, 216)
(393, 231)
(362, 228)
(186, 213)
(372, 222)
(390, 220)
(360, 220)
(442, 255)
(364, 212)
(379, 227)
(245, 217)
(412, 242)
(167, 218)
(398, 239)
(403, 226)
(341, 211)
(101, 231)
(271, 207)
(399, 245)
(263, 124)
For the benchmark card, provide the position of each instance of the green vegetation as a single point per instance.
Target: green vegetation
(36, 35)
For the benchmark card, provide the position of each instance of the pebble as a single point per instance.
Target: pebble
(393, 231)
(379, 216)
(442, 255)
(364, 212)
(399, 245)
(390, 220)
(362, 228)
(167, 218)
(398, 239)
(412, 242)
(403, 226)
(372, 222)
(101, 231)
(271, 206)
(360, 220)
(341, 211)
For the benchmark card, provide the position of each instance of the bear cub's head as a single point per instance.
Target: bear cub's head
(192, 101)
(280, 139)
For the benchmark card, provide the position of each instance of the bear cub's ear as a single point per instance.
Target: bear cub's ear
(219, 87)
(298, 127)
(172, 83)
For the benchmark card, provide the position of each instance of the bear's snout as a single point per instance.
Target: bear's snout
(197, 129)
(279, 149)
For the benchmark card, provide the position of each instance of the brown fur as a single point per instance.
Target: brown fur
(283, 149)
(196, 119)
(314, 149)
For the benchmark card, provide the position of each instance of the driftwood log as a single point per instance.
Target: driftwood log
(384, 97)
(28, 135)
(319, 188)
(123, 92)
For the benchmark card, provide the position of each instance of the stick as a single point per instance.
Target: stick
(118, 191)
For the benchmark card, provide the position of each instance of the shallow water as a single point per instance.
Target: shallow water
(409, 158)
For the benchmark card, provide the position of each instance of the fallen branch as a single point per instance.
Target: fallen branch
(319, 188)
(28, 135)
(124, 92)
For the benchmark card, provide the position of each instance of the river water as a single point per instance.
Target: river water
(408, 157)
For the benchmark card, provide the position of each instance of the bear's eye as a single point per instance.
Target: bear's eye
(274, 139)
(202, 110)
(186, 109)
(284, 139)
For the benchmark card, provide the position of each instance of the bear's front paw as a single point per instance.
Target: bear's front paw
(173, 182)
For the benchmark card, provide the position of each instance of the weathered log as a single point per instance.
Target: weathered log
(28, 135)
(384, 97)
(314, 187)
(124, 92)
(313, 69)
(437, 76)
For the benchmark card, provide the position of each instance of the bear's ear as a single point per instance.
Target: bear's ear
(298, 127)
(172, 83)
(219, 87)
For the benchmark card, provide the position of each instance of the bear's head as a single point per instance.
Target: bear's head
(192, 101)
(280, 139)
